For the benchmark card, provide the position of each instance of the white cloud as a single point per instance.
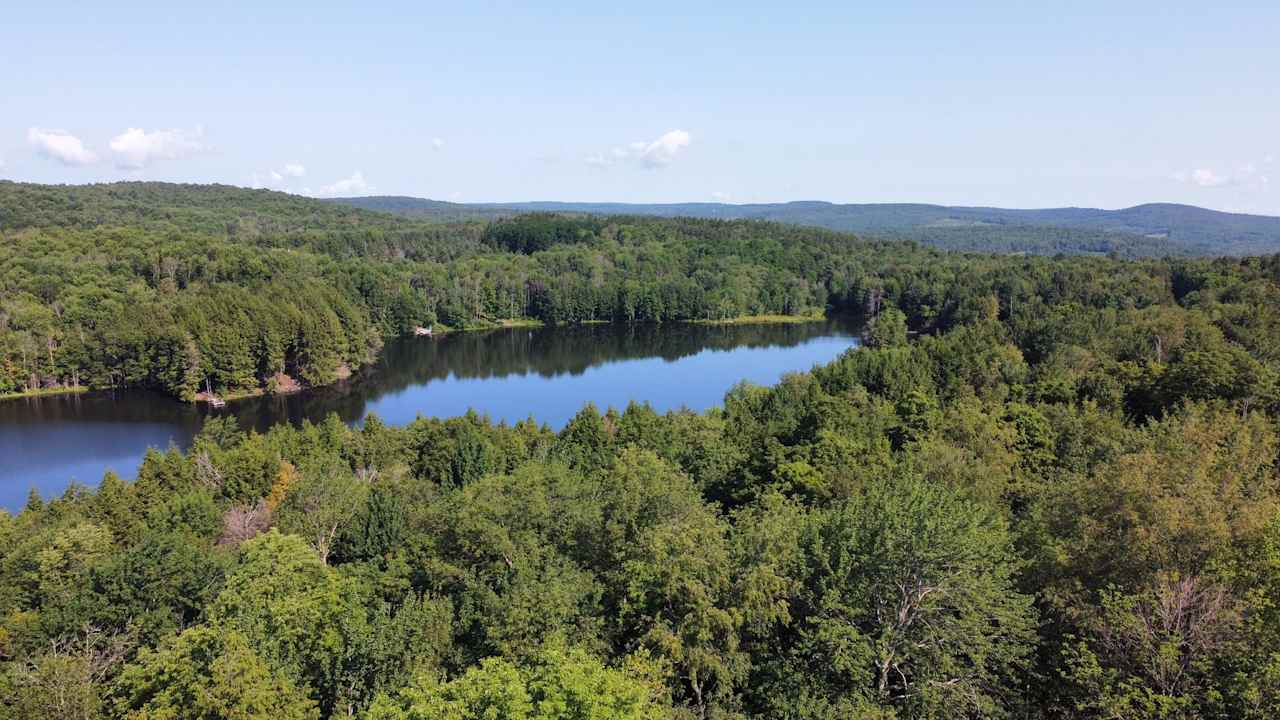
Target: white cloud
(437, 143)
(135, 148)
(1204, 177)
(663, 151)
(1248, 176)
(655, 154)
(271, 179)
(721, 196)
(61, 146)
(354, 185)
(277, 179)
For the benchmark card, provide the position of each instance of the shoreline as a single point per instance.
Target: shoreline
(441, 329)
(46, 392)
(767, 319)
(763, 320)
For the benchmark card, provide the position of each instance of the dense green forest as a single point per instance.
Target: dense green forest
(184, 287)
(1045, 240)
(178, 287)
(1153, 230)
(1044, 488)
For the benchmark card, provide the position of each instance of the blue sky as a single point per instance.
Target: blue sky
(1008, 104)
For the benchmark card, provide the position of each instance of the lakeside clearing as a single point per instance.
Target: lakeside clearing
(764, 320)
(41, 392)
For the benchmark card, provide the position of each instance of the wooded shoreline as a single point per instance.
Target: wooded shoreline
(438, 331)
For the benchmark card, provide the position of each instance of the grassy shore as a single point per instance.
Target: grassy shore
(70, 389)
(441, 329)
(242, 394)
(765, 320)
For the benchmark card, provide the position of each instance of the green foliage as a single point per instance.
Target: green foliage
(205, 674)
(560, 684)
(160, 584)
(908, 604)
(1058, 497)
(529, 234)
(321, 506)
(888, 329)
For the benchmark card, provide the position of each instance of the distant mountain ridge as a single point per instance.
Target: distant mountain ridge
(1151, 229)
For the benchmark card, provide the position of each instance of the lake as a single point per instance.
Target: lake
(549, 373)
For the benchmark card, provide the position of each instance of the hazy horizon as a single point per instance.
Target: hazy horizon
(542, 201)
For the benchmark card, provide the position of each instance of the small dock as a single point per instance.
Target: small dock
(209, 397)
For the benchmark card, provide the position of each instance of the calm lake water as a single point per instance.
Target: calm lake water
(549, 373)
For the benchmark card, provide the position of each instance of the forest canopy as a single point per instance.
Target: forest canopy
(1044, 487)
(178, 287)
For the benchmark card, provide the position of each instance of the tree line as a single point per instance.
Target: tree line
(179, 288)
(182, 287)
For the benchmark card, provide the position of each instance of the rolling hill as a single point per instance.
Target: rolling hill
(1152, 229)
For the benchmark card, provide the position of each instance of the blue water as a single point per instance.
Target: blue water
(698, 382)
(549, 373)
